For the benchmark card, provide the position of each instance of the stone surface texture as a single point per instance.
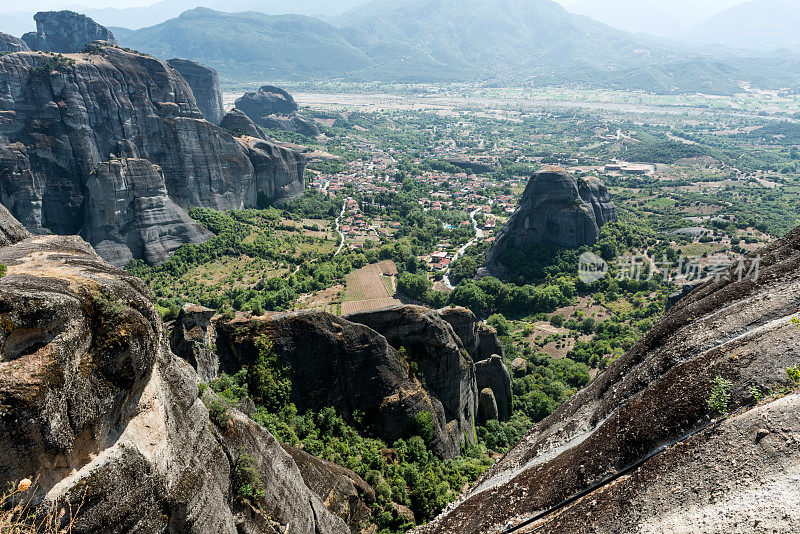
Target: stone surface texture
(65, 32)
(204, 82)
(558, 208)
(10, 44)
(65, 129)
(107, 420)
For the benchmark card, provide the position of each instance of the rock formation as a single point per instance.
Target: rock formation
(294, 123)
(204, 82)
(344, 492)
(558, 208)
(492, 374)
(193, 339)
(238, 123)
(67, 121)
(738, 475)
(351, 364)
(274, 108)
(128, 214)
(487, 406)
(337, 362)
(438, 354)
(9, 44)
(95, 407)
(65, 32)
(267, 100)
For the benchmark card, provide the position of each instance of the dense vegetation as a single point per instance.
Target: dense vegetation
(410, 475)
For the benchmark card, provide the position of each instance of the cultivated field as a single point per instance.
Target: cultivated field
(370, 288)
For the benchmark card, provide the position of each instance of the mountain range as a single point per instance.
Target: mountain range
(494, 41)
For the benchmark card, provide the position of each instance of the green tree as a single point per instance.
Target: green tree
(414, 285)
(268, 381)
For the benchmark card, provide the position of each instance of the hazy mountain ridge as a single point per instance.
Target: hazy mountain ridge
(443, 40)
(251, 44)
(758, 24)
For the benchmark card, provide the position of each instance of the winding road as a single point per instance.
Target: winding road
(339, 229)
(478, 235)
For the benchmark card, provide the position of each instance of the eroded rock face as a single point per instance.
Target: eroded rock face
(193, 338)
(344, 492)
(337, 362)
(739, 476)
(129, 214)
(61, 126)
(478, 338)
(493, 374)
(559, 208)
(291, 123)
(95, 407)
(10, 44)
(274, 108)
(238, 123)
(65, 32)
(11, 230)
(266, 101)
(204, 82)
(440, 357)
(487, 406)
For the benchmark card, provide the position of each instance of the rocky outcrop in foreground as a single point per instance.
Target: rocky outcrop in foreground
(65, 32)
(108, 422)
(9, 44)
(111, 145)
(204, 82)
(274, 108)
(360, 363)
(558, 208)
(737, 476)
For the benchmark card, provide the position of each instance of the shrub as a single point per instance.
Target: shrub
(794, 373)
(247, 478)
(499, 323)
(217, 411)
(422, 426)
(720, 396)
(3, 270)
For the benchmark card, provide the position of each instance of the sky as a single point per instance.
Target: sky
(10, 6)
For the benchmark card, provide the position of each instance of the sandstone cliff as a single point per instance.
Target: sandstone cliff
(353, 363)
(204, 82)
(558, 208)
(9, 44)
(66, 121)
(274, 108)
(737, 476)
(238, 123)
(266, 101)
(65, 32)
(108, 422)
